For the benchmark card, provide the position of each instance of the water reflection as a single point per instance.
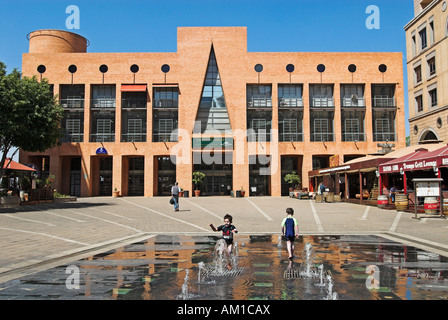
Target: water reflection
(173, 267)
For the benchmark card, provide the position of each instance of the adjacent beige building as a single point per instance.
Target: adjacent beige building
(427, 65)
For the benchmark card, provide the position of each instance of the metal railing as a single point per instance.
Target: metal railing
(102, 137)
(322, 102)
(354, 136)
(259, 102)
(133, 137)
(385, 136)
(290, 103)
(133, 103)
(72, 137)
(103, 103)
(353, 102)
(164, 137)
(322, 137)
(166, 103)
(286, 137)
(383, 102)
(72, 103)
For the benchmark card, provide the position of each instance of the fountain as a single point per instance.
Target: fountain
(321, 276)
(308, 255)
(330, 294)
(184, 295)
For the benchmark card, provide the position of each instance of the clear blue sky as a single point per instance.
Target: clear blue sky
(151, 25)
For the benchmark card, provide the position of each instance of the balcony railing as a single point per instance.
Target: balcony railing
(286, 137)
(73, 137)
(322, 136)
(166, 103)
(385, 136)
(353, 137)
(353, 102)
(102, 137)
(259, 102)
(133, 137)
(383, 102)
(133, 103)
(165, 137)
(72, 103)
(290, 103)
(103, 103)
(322, 102)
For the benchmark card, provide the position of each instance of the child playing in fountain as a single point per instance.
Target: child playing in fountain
(228, 229)
(290, 229)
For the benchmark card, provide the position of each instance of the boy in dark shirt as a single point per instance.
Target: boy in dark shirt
(228, 229)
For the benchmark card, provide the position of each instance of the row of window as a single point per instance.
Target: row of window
(258, 96)
(259, 125)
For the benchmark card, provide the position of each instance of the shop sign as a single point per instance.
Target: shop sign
(418, 165)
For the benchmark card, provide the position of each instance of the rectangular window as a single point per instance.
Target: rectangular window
(290, 95)
(419, 103)
(259, 125)
(103, 96)
(433, 97)
(384, 125)
(259, 96)
(352, 95)
(423, 39)
(418, 74)
(166, 97)
(321, 96)
(353, 124)
(290, 125)
(103, 126)
(432, 66)
(383, 96)
(431, 31)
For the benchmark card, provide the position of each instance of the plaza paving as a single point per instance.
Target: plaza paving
(38, 237)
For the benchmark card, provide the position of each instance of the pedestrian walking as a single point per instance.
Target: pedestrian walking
(175, 195)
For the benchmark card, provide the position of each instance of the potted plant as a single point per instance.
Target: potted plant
(198, 179)
(293, 179)
(116, 193)
(243, 192)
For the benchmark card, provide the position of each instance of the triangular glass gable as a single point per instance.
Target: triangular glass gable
(212, 113)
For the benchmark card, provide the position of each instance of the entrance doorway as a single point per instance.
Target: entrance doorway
(136, 178)
(218, 175)
(259, 177)
(105, 174)
(166, 175)
(75, 176)
(288, 165)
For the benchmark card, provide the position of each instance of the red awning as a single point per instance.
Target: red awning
(16, 166)
(438, 156)
(410, 161)
(133, 88)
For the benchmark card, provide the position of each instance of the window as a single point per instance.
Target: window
(419, 103)
(321, 125)
(384, 125)
(383, 96)
(165, 97)
(290, 95)
(423, 39)
(353, 124)
(103, 96)
(259, 96)
(321, 95)
(433, 97)
(432, 66)
(414, 44)
(418, 74)
(352, 95)
(259, 125)
(290, 125)
(431, 31)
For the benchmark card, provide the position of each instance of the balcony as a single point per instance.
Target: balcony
(259, 102)
(322, 137)
(353, 102)
(166, 103)
(287, 137)
(102, 137)
(103, 103)
(133, 137)
(133, 103)
(322, 102)
(354, 136)
(72, 103)
(385, 136)
(383, 102)
(165, 137)
(290, 103)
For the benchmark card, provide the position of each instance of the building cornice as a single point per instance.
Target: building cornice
(426, 10)
(427, 114)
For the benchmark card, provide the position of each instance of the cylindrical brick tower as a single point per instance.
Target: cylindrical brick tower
(47, 40)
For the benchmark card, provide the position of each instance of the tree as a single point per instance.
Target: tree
(293, 178)
(29, 114)
(198, 178)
